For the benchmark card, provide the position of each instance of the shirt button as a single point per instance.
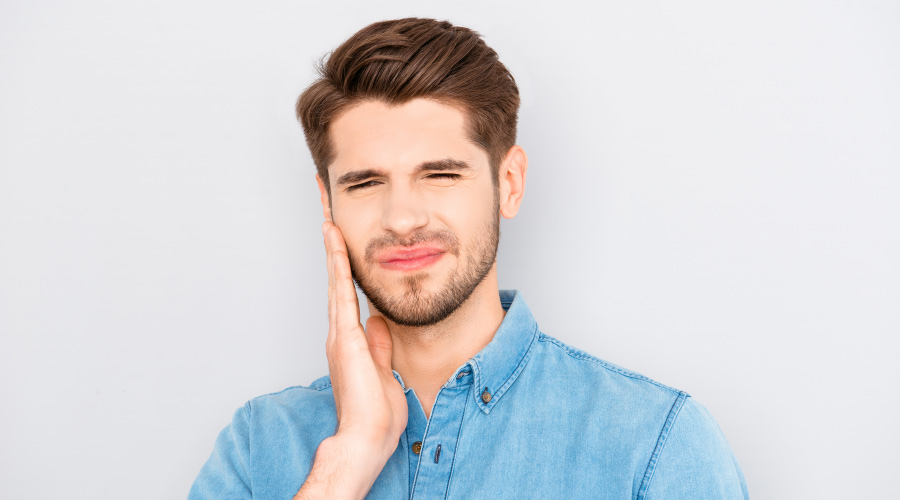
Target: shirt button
(417, 447)
(486, 396)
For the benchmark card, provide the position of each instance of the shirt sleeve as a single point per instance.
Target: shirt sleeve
(225, 475)
(693, 461)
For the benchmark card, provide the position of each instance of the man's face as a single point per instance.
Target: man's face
(416, 203)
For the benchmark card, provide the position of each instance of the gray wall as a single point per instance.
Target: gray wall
(712, 201)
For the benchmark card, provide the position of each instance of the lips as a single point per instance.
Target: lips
(409, 258)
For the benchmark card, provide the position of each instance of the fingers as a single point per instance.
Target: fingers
(343, 310)
(332, 311)
(378, 336)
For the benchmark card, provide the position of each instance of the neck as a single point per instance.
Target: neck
(427, 356)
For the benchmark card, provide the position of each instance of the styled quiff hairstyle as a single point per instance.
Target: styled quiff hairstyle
(397, 61)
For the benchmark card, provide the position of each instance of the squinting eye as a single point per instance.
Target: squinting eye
(362, 185)
(443, 176)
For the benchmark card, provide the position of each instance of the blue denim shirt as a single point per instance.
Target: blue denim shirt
(527, 417)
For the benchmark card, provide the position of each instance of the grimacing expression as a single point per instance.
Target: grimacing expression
(417, 205)
(415, 307)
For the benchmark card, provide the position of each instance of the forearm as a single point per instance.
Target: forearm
(341, 472)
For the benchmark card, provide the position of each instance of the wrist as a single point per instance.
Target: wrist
(366, 443)
(344, 468)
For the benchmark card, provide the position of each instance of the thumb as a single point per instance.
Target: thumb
(380, 343)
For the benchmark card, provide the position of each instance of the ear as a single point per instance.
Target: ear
(326, 201)
(513, 170)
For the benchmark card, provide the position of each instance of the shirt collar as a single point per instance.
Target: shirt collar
(495, 368)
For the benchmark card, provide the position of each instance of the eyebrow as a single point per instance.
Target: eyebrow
(443, 165)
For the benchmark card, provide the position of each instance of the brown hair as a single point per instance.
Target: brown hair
(404, 59)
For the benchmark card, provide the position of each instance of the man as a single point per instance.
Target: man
(450, 391)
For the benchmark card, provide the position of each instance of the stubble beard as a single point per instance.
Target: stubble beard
(414, 306)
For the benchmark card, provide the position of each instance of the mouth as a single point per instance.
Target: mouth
(409, 259)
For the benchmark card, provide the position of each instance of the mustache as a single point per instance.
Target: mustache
(442, 237)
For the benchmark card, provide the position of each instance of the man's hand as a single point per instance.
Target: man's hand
(371, 406)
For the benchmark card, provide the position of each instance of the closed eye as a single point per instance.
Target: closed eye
(444, 175)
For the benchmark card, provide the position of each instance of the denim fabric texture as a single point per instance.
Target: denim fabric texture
(527, 417)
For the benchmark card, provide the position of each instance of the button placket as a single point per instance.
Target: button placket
(435, 464)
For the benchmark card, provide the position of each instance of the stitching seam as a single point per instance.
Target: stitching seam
(458, 435)
(578, 354)
(660, 444)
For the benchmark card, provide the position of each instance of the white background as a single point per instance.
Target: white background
(713, 201)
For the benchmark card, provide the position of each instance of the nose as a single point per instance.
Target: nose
(404, 211)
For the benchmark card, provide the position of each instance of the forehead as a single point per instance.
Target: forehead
(377, 135)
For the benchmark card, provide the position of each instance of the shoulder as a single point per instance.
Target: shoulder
(683, 446)
(316, 396)
(692, 459)
(623, 405)
(567, 361)
(269, 438)
(303, 415)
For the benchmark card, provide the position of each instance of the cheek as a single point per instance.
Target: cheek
(355, 225)
(467, 212)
